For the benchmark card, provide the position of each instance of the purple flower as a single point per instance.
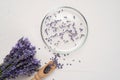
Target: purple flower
(20, 61)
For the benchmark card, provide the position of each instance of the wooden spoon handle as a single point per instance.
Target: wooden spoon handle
(45, 71)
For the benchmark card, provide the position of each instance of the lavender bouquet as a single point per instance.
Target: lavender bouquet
(20, 61)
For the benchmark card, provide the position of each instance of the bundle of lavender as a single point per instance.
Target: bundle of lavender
(20, 61)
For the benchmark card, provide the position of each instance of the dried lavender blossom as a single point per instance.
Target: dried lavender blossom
(20, 61)
(55, 60)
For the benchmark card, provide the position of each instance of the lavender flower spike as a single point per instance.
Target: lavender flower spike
(20, 61)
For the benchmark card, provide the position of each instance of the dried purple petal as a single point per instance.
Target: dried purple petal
(55, 60)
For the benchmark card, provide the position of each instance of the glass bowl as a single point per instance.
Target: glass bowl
(64, 30)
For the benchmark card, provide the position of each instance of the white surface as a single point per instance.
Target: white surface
(100, 56)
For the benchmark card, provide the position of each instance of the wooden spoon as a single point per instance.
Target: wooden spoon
(45, 71)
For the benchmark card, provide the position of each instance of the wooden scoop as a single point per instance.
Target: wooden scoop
(45, 71)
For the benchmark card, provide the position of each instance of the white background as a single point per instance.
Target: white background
(100, 55)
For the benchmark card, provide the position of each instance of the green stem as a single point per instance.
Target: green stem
(0, 70)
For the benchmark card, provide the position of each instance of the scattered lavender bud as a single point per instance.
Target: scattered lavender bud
(64, 54)
(65, 16)
(38, 48)
(80, 29)
(73, 24)
(67, 54)
(49, 50)
(73, 17)
(46, 31)
(45, 63)
(75, 44)
(54, 53)
(61, 10)
(64, 59)
(55, 15)
(82, 35)
(50, 43)
(80, 23)
(45, 47)
(53, 79)
(55, 60)
(73, 60)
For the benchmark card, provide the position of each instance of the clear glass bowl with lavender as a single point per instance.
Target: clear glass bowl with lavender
(64, 30)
